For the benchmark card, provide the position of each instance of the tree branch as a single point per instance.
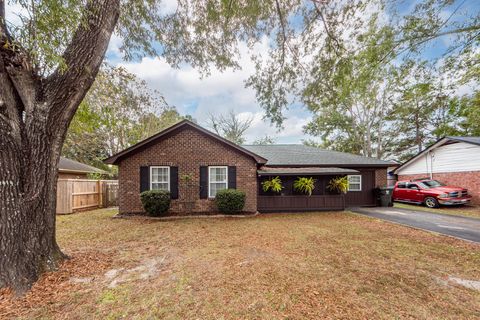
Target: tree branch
(64, 90)
(284, 32)
(327, 28)
(3, 21)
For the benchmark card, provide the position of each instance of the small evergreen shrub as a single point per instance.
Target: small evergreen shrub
(230, 200)
(155, 202)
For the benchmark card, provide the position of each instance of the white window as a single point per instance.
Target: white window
(217, 180)
(355, 183)
(160, 178)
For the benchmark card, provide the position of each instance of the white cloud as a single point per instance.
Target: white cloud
(113, 50)
(13, 11)
(217, 93)
(169, 6)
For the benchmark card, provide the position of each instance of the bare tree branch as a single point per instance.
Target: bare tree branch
(230, 126)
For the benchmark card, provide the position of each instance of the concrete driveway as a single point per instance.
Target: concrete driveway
(456, 226)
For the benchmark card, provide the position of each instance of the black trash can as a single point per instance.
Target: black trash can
(384, 196)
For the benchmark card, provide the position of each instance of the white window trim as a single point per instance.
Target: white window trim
(159, 167)
(209, 182)
(360, 182)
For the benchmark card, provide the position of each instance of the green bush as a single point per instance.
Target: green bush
(155, 202)
(230, 200)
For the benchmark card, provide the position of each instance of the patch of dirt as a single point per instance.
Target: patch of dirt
(53, 287)
(469, 284)
(148, 269)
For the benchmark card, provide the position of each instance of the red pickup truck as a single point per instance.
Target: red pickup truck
(430, 192)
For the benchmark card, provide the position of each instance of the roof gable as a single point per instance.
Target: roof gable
(440, 142)
(180, 126)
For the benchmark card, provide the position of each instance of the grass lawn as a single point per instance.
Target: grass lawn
(467, 211)
(315, 265)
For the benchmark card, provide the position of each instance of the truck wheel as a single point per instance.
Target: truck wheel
(431, 202)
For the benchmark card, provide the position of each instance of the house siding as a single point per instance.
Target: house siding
(455, 157)
(469, 180)
(187, 149)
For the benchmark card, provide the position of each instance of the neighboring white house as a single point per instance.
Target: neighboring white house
(452, 160)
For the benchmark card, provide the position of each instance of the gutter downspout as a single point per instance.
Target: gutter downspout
(431, 164)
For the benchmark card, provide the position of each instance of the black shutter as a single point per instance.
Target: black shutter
(232, 177)
(144, 179)
(174, 182)
(203, 182)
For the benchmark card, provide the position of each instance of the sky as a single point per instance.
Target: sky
(223, 91)
(219, 92)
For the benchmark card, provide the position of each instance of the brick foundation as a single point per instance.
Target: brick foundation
(469, 180)
(188, 149)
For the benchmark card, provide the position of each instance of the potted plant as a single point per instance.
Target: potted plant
(338, 185)
(273, 185)
(304, 185)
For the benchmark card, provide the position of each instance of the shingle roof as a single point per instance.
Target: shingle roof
(268, 171)
(299, 154)
(69, 165)
(473, 140)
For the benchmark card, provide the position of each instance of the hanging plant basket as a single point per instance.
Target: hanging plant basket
(304, 185)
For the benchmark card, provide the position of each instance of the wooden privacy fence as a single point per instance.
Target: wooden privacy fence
(79, 194)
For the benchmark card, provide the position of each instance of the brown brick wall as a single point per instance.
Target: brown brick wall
(188, 149)
(469, 180)
(381, 177)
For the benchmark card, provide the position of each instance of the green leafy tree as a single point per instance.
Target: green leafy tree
(49, 61)
(349, 96)
(342, 64)
(419, 110)
(462, 117)
(118, 111)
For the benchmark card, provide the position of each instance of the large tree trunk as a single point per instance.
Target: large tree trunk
(34, 118)
(27, 219)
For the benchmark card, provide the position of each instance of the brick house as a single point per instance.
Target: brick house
(194, 163)
(452, 160)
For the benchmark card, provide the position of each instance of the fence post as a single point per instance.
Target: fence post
(99, 190)
(71, 191)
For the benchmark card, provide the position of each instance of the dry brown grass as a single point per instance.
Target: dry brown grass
(311, 265)
(466, 211)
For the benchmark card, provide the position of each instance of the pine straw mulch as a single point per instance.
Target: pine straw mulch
(55, 288)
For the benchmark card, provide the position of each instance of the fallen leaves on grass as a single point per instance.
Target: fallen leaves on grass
(55, 287)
